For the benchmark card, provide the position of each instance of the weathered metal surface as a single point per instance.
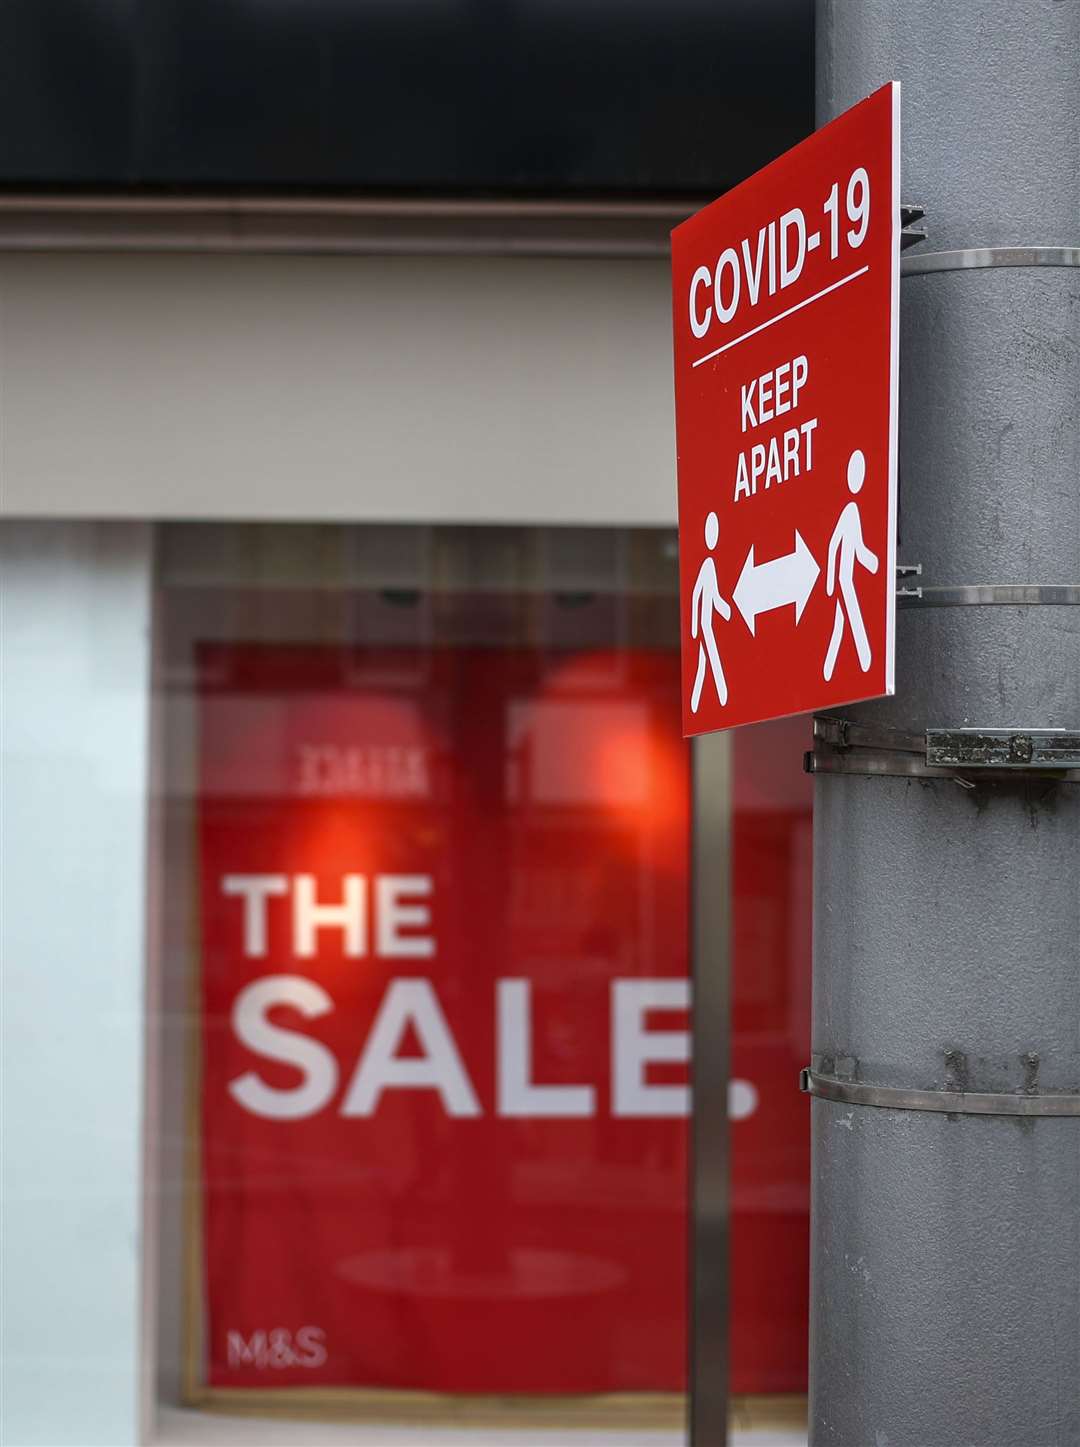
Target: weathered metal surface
(925, 1332)
(946, 1246)
(973, 758)
(1003, 748)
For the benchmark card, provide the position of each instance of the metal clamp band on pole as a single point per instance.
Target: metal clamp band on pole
(945, 1102)
(967, 756)
(971, 258)
(909, 766)
(1020, 595)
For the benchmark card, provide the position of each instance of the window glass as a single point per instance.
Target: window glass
(429, 824)
(424, 1076)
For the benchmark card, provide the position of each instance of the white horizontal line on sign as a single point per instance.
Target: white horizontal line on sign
(780, 316)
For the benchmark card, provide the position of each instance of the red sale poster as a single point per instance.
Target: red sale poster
(444, 1030)
(444, 994)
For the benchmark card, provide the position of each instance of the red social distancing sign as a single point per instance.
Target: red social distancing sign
(786, 300)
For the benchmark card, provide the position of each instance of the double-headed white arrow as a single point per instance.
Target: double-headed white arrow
(785, 580)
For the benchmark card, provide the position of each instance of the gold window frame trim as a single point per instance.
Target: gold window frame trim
(659, 1411)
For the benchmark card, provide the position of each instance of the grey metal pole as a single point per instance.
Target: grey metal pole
(710, 1161)
(946, 1247)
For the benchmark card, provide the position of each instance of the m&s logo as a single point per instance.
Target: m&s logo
(277, 1347)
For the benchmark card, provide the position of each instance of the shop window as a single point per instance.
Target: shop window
(429, 812)
(425, 1076)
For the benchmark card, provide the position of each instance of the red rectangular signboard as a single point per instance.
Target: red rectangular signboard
(786, 296)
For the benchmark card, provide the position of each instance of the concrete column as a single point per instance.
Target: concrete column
(946, 1249)
(75, 640)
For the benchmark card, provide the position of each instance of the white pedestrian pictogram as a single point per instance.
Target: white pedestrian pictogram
(847, 539)
(705, 602)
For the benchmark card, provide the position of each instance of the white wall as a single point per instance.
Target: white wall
(75, 640)
(349, 388)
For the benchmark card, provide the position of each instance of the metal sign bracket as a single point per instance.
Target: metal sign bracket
(903, 572)
(910, 234)
(989, 754)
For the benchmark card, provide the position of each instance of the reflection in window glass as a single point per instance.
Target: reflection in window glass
(423, 1054)
(434, 822)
